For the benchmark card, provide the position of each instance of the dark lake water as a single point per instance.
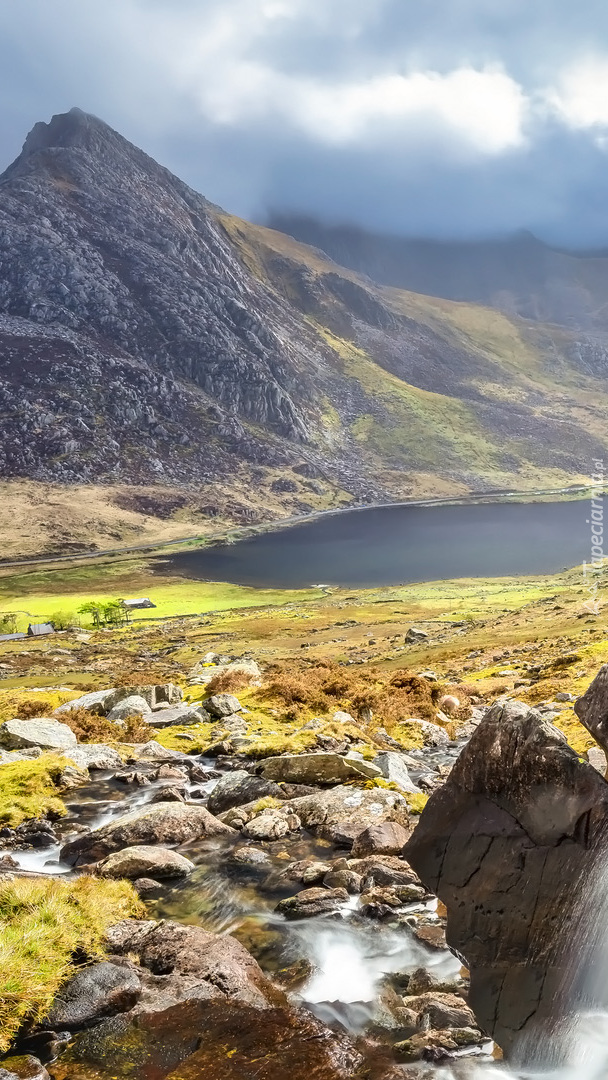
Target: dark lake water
(402, 544)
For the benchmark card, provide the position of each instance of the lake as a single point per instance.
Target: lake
(393, 545)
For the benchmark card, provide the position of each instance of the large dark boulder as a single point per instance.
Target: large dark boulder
(504, 844)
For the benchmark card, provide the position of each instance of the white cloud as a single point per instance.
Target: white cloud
(219, 66)
(580, 98)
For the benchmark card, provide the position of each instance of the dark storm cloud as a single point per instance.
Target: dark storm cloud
(451, 117)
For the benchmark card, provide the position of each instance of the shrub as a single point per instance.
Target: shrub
(228, 681)
(88, 727)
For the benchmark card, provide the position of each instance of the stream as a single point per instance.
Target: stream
(339, 966)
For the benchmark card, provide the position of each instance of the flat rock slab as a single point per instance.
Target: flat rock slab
(177, 714)
(238, 1042)
(161, 823)
(317, 768)
(43, 732)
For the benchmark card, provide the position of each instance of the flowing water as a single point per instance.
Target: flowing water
(339, 967)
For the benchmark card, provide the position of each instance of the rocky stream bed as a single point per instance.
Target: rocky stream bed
(296, 911)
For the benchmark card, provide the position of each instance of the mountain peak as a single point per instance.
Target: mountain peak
(74, 128)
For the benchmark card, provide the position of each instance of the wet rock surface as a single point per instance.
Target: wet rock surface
(100, 990)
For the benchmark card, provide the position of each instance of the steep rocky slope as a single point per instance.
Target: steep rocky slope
(519, 274)
(147, 337)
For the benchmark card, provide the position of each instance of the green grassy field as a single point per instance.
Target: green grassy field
(36, 596)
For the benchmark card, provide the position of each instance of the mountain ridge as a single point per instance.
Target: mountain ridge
(148, 338)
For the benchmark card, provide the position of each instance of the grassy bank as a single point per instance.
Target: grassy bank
(44, 924)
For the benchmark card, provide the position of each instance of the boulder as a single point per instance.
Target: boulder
(386, 838)
(414, 634)
(393, 767)
(103, 989)
(208, 965)
(239, 787)
(140, 862)
(153, 751)
(341, 717)
(384, 870)
(441, 1010)
(436, 1045)
(95, 756)
(271, 824)
(134, 705)
(324, 768)
(177, 714)
(29, 753)
(161, 823)
(223, 705)
(99, 701)
(341, 813)
(43, 732)
(103, 701)
(311, 902)
(519, 819)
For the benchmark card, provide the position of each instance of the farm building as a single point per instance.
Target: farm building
(140, 602)
(40, 629)
(12, 637)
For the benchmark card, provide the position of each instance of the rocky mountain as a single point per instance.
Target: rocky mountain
(519, 275)
(146, 337)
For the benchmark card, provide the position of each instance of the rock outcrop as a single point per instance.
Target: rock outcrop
(517, 822)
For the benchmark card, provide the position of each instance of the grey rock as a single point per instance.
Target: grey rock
(432, 734)
(271, 824)
(309, 903)
(145, 861)
(414, 634)
(98, 701)
(393, 767)
(43, 732)
(103, 989)
(223, 705)
(386, 838)
(324, 768)
(95, 756)
(133, 705)
(205, 965)
(341, 813)
(240, 787)
(177, 714)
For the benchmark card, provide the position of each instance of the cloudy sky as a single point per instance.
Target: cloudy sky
(423, 117)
